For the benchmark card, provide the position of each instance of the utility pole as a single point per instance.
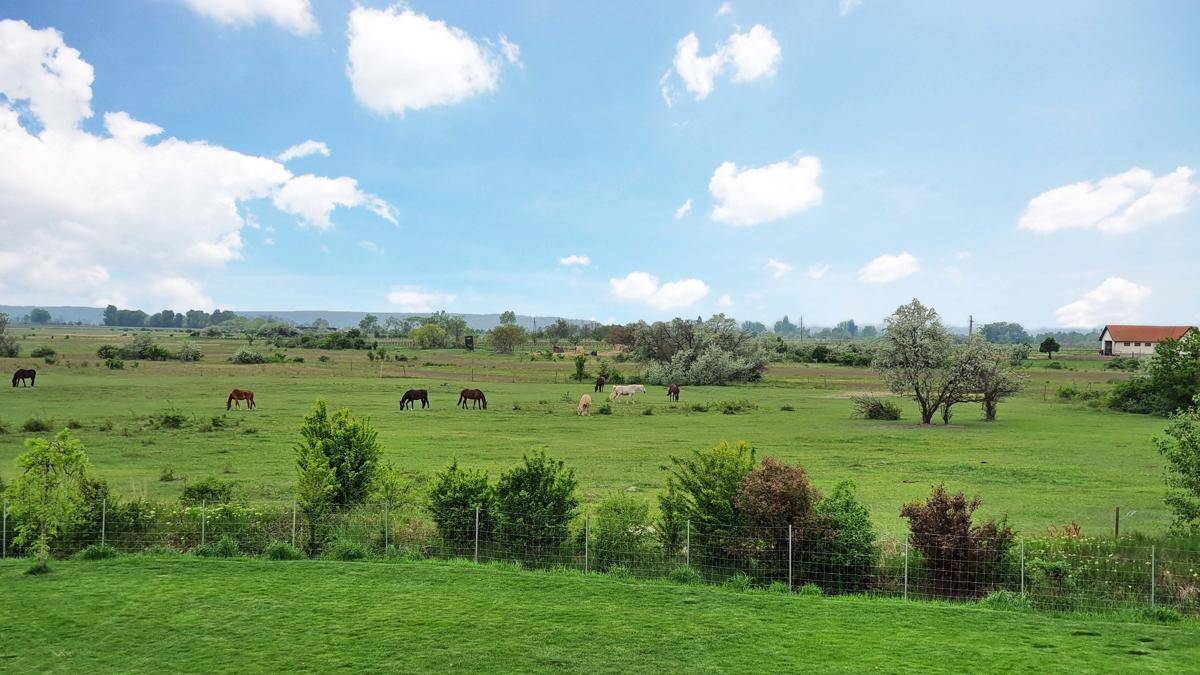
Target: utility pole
(970, 325)
(802, 328)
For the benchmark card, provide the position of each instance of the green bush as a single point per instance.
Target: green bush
(114, 364)
(845, 555)
(208, 491)
(189, 352)
(247, 356)
(171, 418)
(281, 550)
(621, 532)
(702, 487)
(687, 575)
(1005, 600)
(810, 590)
(454, 497)
(96, 552)
(226, 547)
(40, 352)
(740, 581)
(874, 408)
(347, 550)
(35, 425)
(604, 409)
(535, 503)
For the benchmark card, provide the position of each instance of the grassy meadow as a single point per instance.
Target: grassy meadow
(183, 614)
(1044, 462)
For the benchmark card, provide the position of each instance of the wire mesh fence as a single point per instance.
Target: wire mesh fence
(1057, 573)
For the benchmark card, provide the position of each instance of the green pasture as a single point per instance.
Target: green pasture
(1044, 462)
(141, 614)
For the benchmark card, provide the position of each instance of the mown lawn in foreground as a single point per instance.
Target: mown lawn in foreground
(141, 614)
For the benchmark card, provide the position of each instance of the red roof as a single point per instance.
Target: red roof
(1123, 333)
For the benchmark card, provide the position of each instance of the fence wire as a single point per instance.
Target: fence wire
(1054, 573)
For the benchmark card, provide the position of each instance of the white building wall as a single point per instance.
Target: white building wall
(1131, 348)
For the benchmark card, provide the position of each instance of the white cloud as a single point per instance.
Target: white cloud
(309, 147)
(411, 298)
(110, 215)
(847, 6)
(180, 294)
(888, 268)
(754, 54)
(1114, 205)
(817, 271)
(725, 301)
(684, 209)
(371, 246)
(1115, 300)
(400, 60)
(573, 259)
(725, 8)
(645, 288)
(313, 198)
(779, 269)
(291, 15)
(750, 196)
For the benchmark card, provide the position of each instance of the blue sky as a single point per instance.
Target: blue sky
(1027, 161)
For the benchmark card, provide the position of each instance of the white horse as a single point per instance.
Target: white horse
(627, 390)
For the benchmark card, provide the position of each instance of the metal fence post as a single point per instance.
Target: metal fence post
(1152, 575)
(293, 523)
(4, 533)
(103, 520)
(688, 549)
(385, 528)
(203, 522)
(906, 568)
(789, 556)
(1022, 565)
(477, 535)
(587, 533)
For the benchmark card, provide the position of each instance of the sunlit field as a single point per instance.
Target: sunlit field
(1044, 462)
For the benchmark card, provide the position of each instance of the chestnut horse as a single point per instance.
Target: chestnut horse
(411, 397)
(585, 405)
(673, 392)
(475, 396)
(23, 375)
(600, 382)
(240, 395)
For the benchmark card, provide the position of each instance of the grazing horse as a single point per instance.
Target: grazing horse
(629, 390)
(411, 397)
(474, 395)
(600, 381)
(240, 395)
(24, 374)
(673, 392)
(585, 405)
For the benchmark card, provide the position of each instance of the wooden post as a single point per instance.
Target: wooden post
(1117, 524)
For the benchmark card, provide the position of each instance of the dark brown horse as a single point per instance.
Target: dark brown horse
(475, 396)
(600, 381)
(240, 395)
(23, 375)
(673, 392)
(411, 397)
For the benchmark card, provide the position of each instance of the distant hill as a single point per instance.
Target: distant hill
(338, 319)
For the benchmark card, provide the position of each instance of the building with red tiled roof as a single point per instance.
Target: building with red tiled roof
(1126, 340)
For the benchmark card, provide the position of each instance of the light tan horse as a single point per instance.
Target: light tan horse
(585, 405)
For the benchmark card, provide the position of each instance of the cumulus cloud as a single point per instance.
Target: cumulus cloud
(750, 196)
(1115, 300)
(888, 268)
(180, 294)
(309, 147)
(684, 209)
(410, 298)
(291, 15)
(817, 272)
(847, 6)
(400, 60)
(645, 288)
(725, 8)
(1114, 205)
(114, 215)
(779, 269)
(573, 259)
(313, 199)
(753, 55)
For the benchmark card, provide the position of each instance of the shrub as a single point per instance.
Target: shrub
(108, 352)
(702, 487)
(740, 581)
(171, 418)
(350, 446)
(114, 364)
(620, 531)
(189, 352)
(686, 574)
(772, 497)
(787, 407)
(956, 552)
(733, 407)
(843, 557)
(1169, 382)
(604, 409)
(42, 352)
(324, 358)
(96, 552)
(35, 425)
(1123, 363)
(167, 475)
(347, 550)
(247, 356)
(209, 490)
(811, 590)
(649, 410)
(535, 503)
(874, 408)
(1056, 365)
(281, 550)
(619, 572)
(1067, 392)
(4, 428)
(74, 424)
(453, 499)
(226, 547)
(1181, 449)
(1005, 600)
